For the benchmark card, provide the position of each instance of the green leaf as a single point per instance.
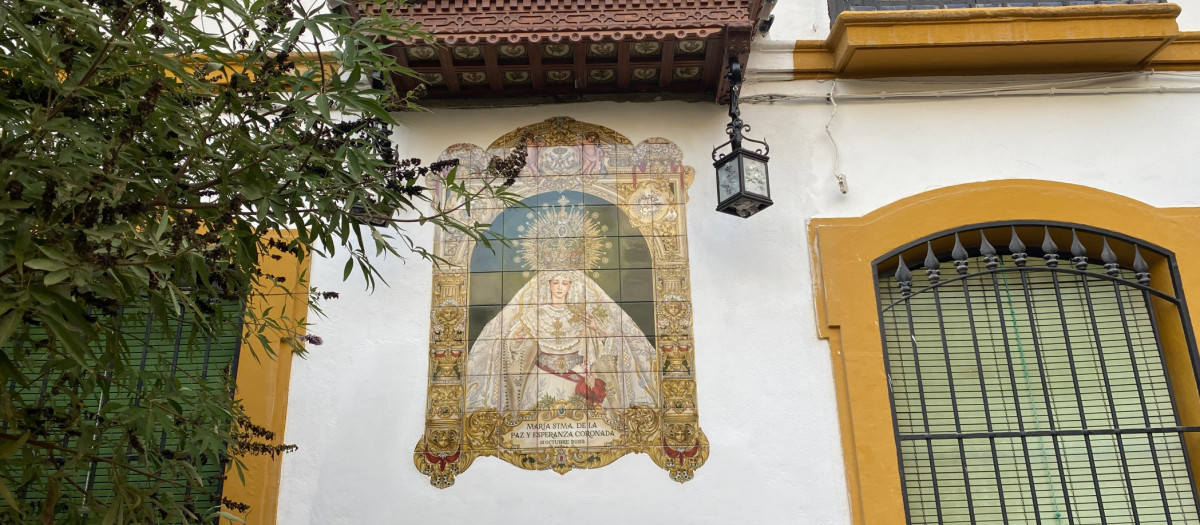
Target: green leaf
(9, 448)
(348, 269)
(8, 324)
(45, 264)
(164, 224)
(322, 101)
(57, 276)
(8, 496)
(230, 517)
(114, 509)
(9, 370)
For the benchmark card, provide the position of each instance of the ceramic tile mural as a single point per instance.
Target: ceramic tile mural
(566, 342)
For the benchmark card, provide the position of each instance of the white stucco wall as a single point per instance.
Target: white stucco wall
(765, 390)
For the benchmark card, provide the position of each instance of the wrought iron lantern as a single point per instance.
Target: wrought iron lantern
(743, 187)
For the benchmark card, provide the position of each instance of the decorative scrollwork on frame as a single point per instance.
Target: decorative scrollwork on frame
(679, 395)
(676, 360)
(449, 325)
(445, 402)
(440, 455)
(674, 319)
(558, 131)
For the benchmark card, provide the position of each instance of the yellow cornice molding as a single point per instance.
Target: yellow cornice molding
(1182, 54)
(1006, 40)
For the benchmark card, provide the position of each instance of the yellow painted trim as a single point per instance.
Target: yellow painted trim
(812, 59)
(842, 252)
(323, 63)
(1183, 54)
(263, 377)
(999, 41)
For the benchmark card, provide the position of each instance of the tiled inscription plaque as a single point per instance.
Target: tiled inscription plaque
(566, 342)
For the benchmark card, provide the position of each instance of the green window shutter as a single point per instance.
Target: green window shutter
(163, 360)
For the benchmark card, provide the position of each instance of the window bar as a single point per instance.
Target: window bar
(90, 479)
(932, 270)
(145, 353)
(137, 392)
(41, 402)
(1044, 433)
(1050, 254)
(904, 278)
(896, 422)
(1018, 247)
(1113, 269)
(1142, 273)
(959, 255)
(12, 380)
(208, 341)
(1193, 353)
(908, 416)
(1184, 315)
(162, 442)
(991, 262)
(1012, 378)
(1079, 258)
(232, 367)
(237, 349)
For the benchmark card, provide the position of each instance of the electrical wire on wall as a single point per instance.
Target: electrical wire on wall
(1087, 85)
(1101, 84)
(837, 158)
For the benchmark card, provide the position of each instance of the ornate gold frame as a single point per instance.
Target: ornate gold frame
(648, 183)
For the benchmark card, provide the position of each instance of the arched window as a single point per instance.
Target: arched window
(1028, 380)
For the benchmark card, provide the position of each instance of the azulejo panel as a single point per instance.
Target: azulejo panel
(565, 342)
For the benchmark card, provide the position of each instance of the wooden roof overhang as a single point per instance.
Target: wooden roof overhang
(571, 47)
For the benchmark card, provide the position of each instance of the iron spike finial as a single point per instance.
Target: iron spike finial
(1110, 260)
(932, 265)
(1017, 248)
(988, 251)
(903, 277)
(1078, 252)
(1049, 249)
(960, 256)
(1140, 268)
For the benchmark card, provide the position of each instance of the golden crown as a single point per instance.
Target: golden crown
(562, 238)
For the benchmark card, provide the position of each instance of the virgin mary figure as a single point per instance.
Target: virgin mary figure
(561, 339)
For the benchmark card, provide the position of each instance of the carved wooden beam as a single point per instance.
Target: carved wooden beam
(681, 27)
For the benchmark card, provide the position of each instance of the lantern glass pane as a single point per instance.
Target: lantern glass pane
(756, 176)
(728, 180)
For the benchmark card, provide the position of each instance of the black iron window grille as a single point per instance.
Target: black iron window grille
(1032, 386)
